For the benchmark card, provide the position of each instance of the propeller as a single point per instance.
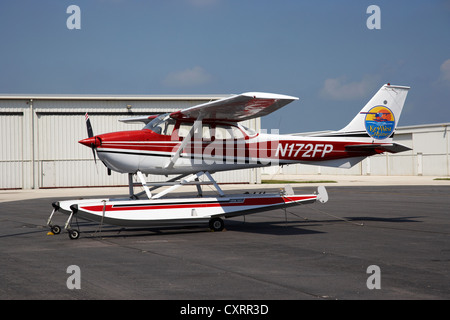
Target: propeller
(88, 125)
(90, 133)
(92, 141)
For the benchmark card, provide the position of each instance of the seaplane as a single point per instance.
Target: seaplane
(193, 143)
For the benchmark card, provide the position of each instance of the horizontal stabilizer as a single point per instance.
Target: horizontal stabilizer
(144, 119)
(390, 147)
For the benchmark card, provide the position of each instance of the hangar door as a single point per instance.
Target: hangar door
(11, 146)
(62, 161)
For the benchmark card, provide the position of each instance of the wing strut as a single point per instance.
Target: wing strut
(186, 140)
(144, 184)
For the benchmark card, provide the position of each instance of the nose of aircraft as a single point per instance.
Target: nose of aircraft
(92, 141)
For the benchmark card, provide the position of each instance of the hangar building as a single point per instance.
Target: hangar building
(39, 137)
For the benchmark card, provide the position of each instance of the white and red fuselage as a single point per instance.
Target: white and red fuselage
(149, 152)
(209, 137)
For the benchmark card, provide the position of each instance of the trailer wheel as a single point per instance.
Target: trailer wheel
(74, 234)
(216, 224)
(56, 229)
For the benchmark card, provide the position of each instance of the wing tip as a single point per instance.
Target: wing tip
(267, 95)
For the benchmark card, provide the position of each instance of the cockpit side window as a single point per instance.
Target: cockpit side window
(170, 125)
(162, 124)
(184, 129)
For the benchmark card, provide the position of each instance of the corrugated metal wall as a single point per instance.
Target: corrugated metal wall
(40, 149)
(59, 152)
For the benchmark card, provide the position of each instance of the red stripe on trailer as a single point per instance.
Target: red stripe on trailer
(247, 202)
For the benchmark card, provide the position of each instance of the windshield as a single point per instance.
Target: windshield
(162, 124)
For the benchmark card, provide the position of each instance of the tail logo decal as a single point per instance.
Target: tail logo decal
(379, 122)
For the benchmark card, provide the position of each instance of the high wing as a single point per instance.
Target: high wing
(236, 108)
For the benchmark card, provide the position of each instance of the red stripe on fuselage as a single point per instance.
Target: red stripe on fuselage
(281, 150)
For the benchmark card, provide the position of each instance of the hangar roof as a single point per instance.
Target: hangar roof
(110, 97)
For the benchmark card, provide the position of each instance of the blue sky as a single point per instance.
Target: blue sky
(320, 51)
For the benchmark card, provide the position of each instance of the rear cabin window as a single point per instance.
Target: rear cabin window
(210, 132)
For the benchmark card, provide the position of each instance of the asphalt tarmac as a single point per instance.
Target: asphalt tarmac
(382, 242)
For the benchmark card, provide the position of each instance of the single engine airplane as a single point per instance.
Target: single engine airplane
(208, 138)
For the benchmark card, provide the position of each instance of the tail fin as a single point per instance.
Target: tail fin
(379, 117)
